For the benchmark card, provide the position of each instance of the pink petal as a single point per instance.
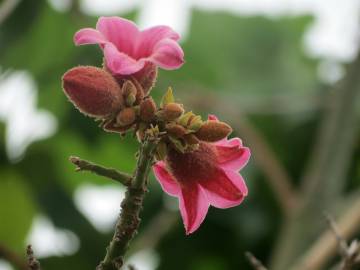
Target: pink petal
(167, 182)
(193, 207)
(231, 142)
(120, 63)
(88, 36)
(157, 33)
(150, 37)
(232, 157)
(167, 54)
(212, 117)
(224, 189)
(122, 33)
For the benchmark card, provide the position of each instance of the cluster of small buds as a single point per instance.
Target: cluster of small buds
(122, 103)
(185, 130)
(117, 101)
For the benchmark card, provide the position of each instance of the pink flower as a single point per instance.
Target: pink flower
(127, 49)
(207, 176)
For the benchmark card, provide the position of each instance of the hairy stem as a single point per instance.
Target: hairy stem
(128, 222)
(84, 165)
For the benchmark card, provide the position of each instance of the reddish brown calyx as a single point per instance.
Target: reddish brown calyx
(195, 165)
(93, 91)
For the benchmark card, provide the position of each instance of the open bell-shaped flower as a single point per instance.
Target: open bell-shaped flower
(128, 50)
(206, 176)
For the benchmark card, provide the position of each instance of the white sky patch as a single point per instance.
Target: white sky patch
(4, 265)
(48, 241)
(145, 260)
(174, 13)
(24, 122)
(330, 71)
(108, 7)
(61, 5)
(100, 204)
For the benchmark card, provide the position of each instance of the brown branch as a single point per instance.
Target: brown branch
(350, 253)
(326, 246)
(256, 264)
(12, 257)
(84, 165)
(33, 263)
(129, 221)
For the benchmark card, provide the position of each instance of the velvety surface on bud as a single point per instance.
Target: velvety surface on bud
(176, 130)
(92, 90)
(213, 131)
(206, 176)
(129, 92)
(147, 109)
(126, 117)
(172, 111)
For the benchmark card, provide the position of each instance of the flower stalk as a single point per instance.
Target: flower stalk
(129, 221)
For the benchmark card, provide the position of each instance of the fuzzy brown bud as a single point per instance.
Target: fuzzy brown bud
(213, 131)
(128, 88)
(176, 130)
(129, 92)
(126, 117)
(93, 91)
(147, 109)
(172, 111)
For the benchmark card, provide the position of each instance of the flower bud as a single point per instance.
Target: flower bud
(139, 91)
(129, 92)
(176, 130)
(172, 111)
(112, 126)
(126, 117)
(147, 109)
(195, 123)
(93, 91)
(213, 131)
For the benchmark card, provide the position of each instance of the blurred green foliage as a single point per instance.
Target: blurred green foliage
(227, 57)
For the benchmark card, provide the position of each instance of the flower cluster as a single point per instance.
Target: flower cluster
(195, 161)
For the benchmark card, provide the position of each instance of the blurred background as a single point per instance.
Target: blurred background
(284, 73)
